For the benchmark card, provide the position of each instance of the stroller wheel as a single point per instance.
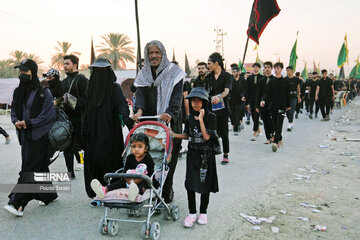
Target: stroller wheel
(175, 212)
(113, 227)
(103, 227)
(155, 231)
(144, 233)
(166, 214)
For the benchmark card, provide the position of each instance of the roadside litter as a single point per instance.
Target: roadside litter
(275, 229)
(255, 220)
(315, 210)
(319, 227)
(307, 205)
(305, 219)
(283, 211)
(300, 176)
(256, 228)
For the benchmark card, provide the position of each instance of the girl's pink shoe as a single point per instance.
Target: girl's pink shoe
(98, 188)
(202, 219)
(189, 220)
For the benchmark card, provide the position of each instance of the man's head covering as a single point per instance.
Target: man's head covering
(101, 83)
(235, 67)
(216, 57)
(167, 76)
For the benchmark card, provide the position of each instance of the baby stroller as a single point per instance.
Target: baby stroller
(151, 201)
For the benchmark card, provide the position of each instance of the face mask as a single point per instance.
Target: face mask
(25, 78)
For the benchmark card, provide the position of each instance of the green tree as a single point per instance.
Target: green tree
(17, 56)
(6, 68)
(115, 48)
(57, 60)
(34, 57)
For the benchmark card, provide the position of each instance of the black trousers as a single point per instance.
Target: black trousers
(307, 104)
(268, 125)
(290, 113)
(74, 148)
(277, 119)
(3, 132)
(311, 107)
(299, 106)
(168, 192)
(192, 202)
(255, 117)
(223, 132)
(236, 116)
(325, 109)
(34, 159)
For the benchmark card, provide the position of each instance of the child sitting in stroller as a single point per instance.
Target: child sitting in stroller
(139, 162)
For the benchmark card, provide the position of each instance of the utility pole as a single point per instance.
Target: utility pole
(219, 33)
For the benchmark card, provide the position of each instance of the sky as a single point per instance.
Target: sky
(186, 26)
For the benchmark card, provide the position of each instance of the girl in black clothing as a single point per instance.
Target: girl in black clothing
(201, 176)
(139, 161)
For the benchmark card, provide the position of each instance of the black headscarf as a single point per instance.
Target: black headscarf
(25, 88)
(100, 86)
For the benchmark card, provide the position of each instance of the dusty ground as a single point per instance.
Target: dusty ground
(333, 189)
(254, 183)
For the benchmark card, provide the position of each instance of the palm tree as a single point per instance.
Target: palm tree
(34, 57)
(57, 60)
(7, 69)
(115, 48)
(17, 56)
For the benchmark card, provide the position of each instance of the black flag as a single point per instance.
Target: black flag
(262, 13)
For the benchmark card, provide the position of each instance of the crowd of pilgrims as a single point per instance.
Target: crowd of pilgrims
(201, 110)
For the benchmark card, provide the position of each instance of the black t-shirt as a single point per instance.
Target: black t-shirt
(325, 92)
(293, 83)
(252, 85)
(199, 83)
(217, 86)
(131, 163)
(313, 85)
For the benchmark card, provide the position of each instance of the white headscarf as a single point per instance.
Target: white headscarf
(167, 76)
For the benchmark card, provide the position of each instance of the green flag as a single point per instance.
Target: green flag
(293, 56)
(304, 73)
(355, 72)
(243, 69)
(343, 54)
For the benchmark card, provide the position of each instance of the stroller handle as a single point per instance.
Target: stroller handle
(128, 175)
(149, 117)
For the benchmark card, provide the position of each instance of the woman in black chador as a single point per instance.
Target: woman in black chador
(106, 111)
(201, 176)
(33, 114)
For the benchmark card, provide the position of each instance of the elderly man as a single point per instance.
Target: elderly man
(159, 92)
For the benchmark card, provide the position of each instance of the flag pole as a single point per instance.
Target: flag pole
(138, 65)
(246, 47)
(248, 36)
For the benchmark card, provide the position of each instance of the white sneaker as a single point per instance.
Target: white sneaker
(11, 209)
(41, 203)
(79, 167)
